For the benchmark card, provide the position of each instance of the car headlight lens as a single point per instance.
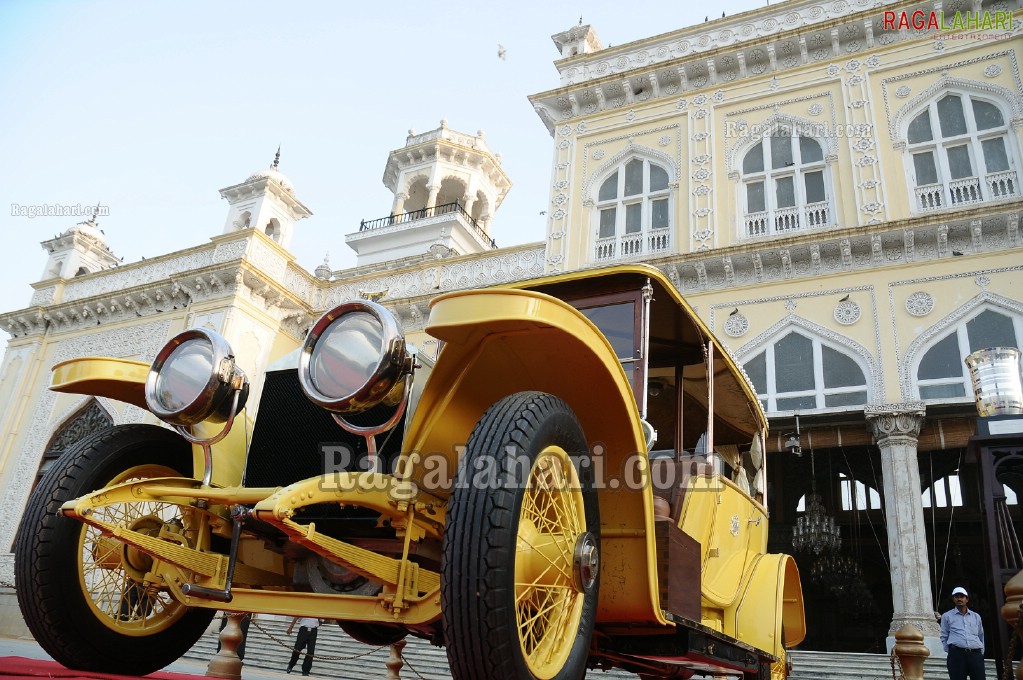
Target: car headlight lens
(354, 358)
(193, 379)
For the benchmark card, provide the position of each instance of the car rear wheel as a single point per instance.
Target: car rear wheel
(521, 546)
(81, 593)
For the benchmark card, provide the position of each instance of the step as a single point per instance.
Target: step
(810, 665)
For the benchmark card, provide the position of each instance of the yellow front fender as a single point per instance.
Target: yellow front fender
(125, 380)
(502, 341)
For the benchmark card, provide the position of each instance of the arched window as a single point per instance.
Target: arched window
(90, 418)
(784, 186)
(273, 229)
(802, 373)
(960, 153)
(942, 374)
(634, 211)
(856, 495)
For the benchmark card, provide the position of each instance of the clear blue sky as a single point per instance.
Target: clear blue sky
(150, 108)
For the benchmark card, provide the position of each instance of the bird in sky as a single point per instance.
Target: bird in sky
(543, 212)
(501, 52)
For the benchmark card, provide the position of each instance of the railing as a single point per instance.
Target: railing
(1002, 184)
(965, 191)
(929, 196)
(811, 216)
(633, 245)
(414, 215)
(968, 190)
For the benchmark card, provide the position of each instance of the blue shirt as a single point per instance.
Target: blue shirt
(962, 630)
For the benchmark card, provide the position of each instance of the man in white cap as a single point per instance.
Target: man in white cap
(962, 636)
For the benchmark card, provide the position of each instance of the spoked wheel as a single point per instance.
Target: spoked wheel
(521, 546)
(83, 594)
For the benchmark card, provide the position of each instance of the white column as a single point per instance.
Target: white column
(398, 206)
(896, 429)
(431, 201)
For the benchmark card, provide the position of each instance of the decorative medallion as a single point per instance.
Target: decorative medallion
(847, 312)
(560, 199)
(735, 525)
(992, 70)
(664, 140)
(630, 116)
(562, 184)
(598, 154)
(566, 130)
(790, 305)
(564, 144)
(815, 109)
(736, 326)
(682, 104)
(873, 61)
(701, 174)
(863, 144)
(852, 65)
(903, 91)
(671, 89)
(983, 281)
(833, 70)
(920, 303)
(700, 99)
(580, 127)
(559, 214)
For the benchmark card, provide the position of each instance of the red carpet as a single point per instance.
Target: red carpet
(20, 667)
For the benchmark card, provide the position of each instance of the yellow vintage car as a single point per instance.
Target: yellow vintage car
(577, 481)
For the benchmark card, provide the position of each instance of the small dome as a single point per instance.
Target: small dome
(324, 271)
(88, 228)
(275, 175)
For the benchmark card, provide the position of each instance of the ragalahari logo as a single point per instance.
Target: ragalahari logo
(920, 20)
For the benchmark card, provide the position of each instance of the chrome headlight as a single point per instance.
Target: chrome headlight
(353, 358)
(193, 379)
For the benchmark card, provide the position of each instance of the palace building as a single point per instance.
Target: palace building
(837, 195)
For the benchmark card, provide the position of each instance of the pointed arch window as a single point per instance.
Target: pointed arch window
(942, 374)
(785, 186)
(633, 211)
(960, 153)
(800, 372)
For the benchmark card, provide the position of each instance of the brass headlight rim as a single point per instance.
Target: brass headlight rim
(218, 384)
(392, 364)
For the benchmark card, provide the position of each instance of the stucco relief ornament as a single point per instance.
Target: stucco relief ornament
(993, 70)
(560, 199)
(863, 144)
(833, 70)
(671, 89)
(630, 116)
(736, 326)
(564, 144)
(873, 61)
(566, 130)
(701, 174)
(939, 45)
(903, 91)
(790, 305)
(682, 104)
(664, 140)
(982, 281)
(561, 184)
(559, 214)
(815, 109)
(920, 303)
(580, 127)
(598, 154)
(847, 312)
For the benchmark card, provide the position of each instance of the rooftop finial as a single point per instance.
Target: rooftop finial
(277, 158)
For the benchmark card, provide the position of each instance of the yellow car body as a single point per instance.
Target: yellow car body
(534, 336)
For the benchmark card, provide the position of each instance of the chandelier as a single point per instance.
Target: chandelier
(816, 530)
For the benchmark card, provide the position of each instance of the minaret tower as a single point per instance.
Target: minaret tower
(80, 250)
(265, 201)
(447, 186)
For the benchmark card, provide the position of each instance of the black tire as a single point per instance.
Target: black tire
(375, 634)
(66, 574)
(488, 534)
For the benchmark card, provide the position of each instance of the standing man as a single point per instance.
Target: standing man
(962, 636)
(308, 627)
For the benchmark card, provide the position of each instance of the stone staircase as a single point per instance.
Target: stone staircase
(339, 656)
(851, 666)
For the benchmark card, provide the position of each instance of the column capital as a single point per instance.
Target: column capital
(925, 622)
(895, 421)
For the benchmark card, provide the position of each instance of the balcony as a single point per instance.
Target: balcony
(425, 213)
(629, 246)
(785, 220)
(967, 191)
